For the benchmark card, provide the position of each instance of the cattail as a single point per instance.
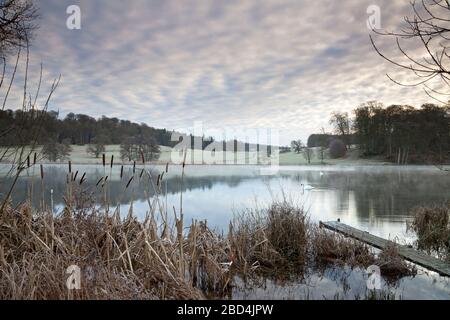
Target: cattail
(34, 158)
(106, 179)
(98, 182)
(82, 178)
(70, 166)
(104, 159)
(112, 161)
(28, 161)
(167, 167)
(142, 172)
(129, 182)
(184, 159)
(158, 180)
(134, 167)
(121, 172)
(42, 172)
(162, 176)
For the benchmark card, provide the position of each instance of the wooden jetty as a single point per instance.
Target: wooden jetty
(408, 253)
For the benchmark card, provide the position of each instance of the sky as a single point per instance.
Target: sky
(284, 65)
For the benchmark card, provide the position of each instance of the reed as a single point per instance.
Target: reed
(330, 248)
(270, 241)
(432, 227)
(127, 259)
(42, 187)
(83, 178)
(392, 265)
(111, 164)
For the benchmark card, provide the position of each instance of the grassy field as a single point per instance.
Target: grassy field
(351, 158)
(79, 155)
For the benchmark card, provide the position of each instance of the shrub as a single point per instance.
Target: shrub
(271, 240)
(432, 227)
(337, 149)
(392, 265)
(332, 248)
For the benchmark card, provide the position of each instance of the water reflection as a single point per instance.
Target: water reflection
(377, 199)
(345, 284)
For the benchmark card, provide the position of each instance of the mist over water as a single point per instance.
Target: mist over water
(375, 198)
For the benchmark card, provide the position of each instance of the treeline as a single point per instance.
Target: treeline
(398, 133)
(78, 129)
(404, 134)
(81, 129)
(324, 139)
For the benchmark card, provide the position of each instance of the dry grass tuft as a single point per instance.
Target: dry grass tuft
(432, 227)
(119, 259)
(270, 240)
(281, 243)
(332, 248)
(392, 265)
(208, 260)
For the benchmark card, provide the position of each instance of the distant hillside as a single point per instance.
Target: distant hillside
(81, 129)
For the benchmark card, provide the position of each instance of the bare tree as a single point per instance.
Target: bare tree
(136, 147)
(54, 151)
(429, 28)
(297, 146)
(307, 153)
(97, 147)
(322, 146)
(17, 23)
(337, 149)
(341, 123)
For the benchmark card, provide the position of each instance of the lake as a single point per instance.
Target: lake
(377, 199)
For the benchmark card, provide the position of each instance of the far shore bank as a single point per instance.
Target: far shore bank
(362, 163)
(79, 156)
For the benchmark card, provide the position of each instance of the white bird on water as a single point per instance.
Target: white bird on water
(307, 187)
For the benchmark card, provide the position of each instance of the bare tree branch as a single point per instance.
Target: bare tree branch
(17, 24)
(429, 27)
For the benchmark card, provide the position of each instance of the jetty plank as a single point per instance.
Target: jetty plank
(410, 254)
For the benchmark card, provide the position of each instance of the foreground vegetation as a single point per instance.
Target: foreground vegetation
(131, 259)
(159, 257)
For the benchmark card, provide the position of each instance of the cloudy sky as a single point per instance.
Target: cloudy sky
(282, 64)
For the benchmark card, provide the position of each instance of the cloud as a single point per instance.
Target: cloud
(278, 64)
